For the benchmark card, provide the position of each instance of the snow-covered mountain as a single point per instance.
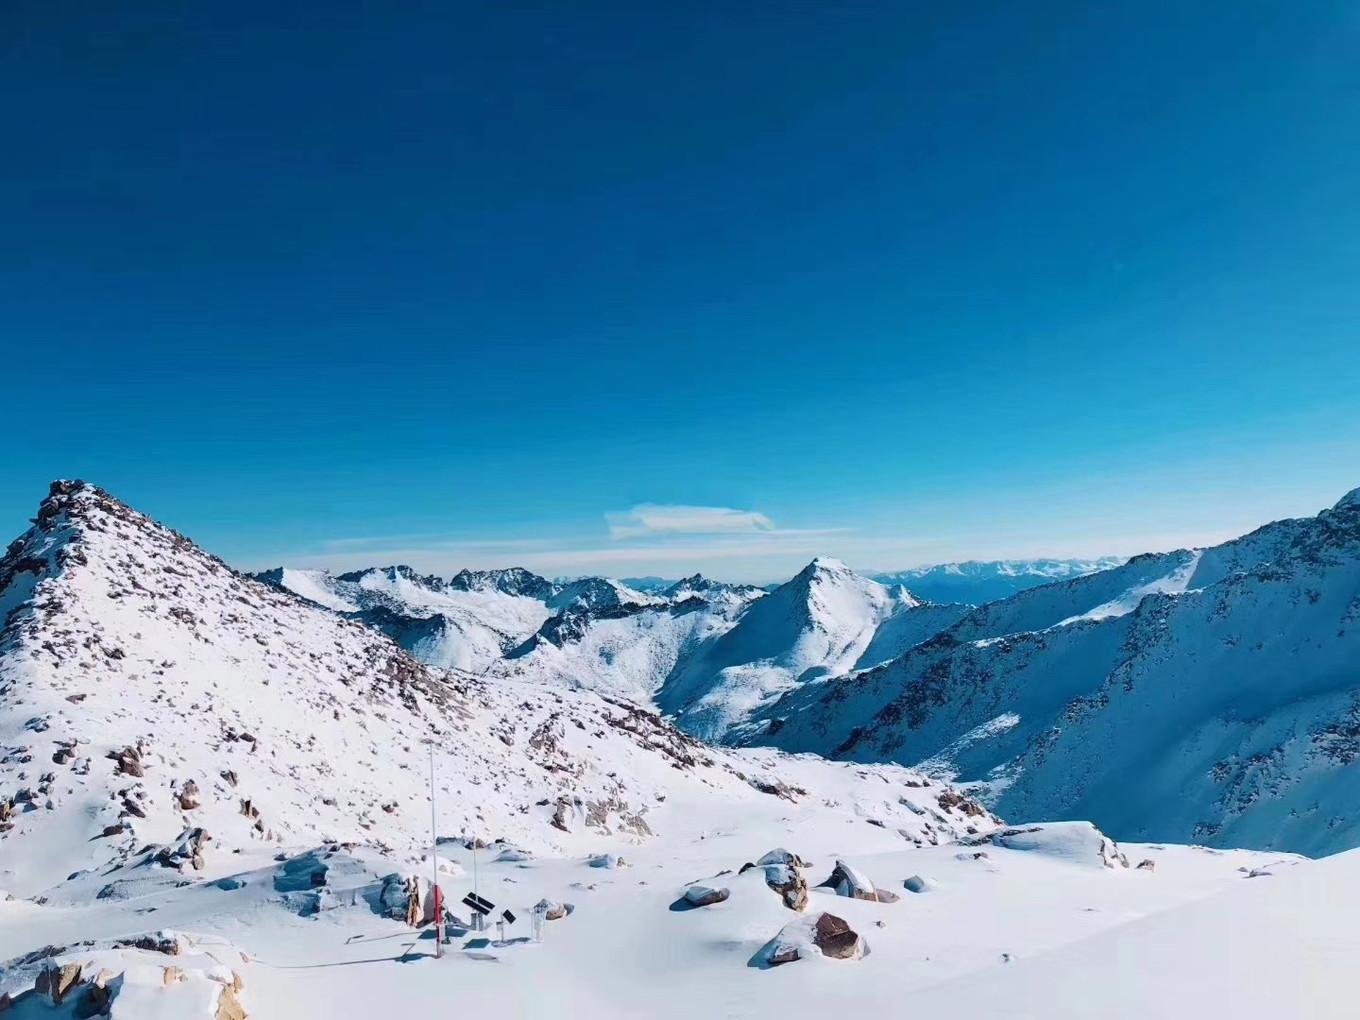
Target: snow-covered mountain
(978, 581)
(817, 624)
(151, 696)
(465, 623)
(1206, 695)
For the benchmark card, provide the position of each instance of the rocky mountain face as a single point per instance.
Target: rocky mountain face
(158, 708)
(975, 582)
(1209, 696)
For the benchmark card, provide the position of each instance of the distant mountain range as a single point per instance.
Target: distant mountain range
(976, 582)
(1209, 695)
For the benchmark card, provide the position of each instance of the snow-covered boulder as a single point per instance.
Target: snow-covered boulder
(847, 881)
(782, 856)
(920, 884)
(609, 862)
(1074, 842)
(821, 935)
(552, 910)
(789, 883)
(705, 895)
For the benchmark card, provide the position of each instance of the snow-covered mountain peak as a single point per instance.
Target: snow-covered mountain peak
(701, 587)
(597, 593)
(507, 581)
(824, 566)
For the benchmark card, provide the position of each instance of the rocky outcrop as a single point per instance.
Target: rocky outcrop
(788, 881)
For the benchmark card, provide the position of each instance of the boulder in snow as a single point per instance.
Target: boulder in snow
(552, 910)
(789, 882)
(920, 884)
(1075, 842)
(847, 881)
(822, 935)
(781, 856)
(705, 895)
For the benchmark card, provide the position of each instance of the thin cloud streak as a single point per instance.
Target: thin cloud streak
(655, 519)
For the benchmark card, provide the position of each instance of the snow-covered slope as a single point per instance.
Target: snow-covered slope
(976, 582)
(1210, 696)
(625, 653)
(1272, 947)
(817, 624)
(148, 693)
(466, 623)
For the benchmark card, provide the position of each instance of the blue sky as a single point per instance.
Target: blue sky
(655, 288)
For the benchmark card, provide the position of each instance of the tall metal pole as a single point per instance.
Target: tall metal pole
(476, 914)
(434, 867)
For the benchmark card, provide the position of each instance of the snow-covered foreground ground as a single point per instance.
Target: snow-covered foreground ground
(1016, 932)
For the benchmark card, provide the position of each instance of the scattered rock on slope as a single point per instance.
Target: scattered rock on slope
(705, 895)
(847, 881)
(825, 934)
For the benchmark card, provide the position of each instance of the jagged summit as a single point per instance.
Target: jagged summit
(701, 587)
(397, 572)
(507, 581)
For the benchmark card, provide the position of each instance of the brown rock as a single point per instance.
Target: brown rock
(229, 1006)
(784, 954)
(552, 911)
(172, 975)
(56, 981)
(836, 939)
(129, 762)
(705, 895)
(188, 796)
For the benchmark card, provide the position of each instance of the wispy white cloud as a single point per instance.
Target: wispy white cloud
(655, 519)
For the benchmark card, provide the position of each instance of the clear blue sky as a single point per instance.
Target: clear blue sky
(341, 283)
